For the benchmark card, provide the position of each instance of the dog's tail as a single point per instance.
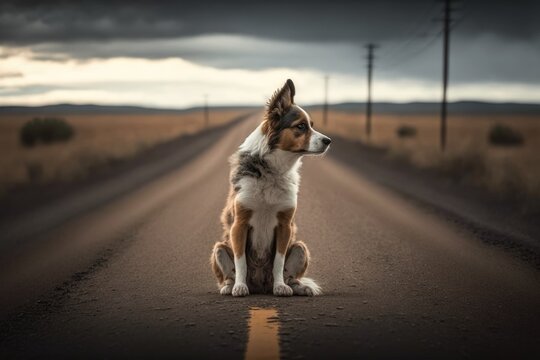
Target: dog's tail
(311, 284)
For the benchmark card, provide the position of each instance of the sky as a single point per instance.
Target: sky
(171, 53)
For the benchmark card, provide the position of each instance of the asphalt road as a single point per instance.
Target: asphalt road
(398, 279)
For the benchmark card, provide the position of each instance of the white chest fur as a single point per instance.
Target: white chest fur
(266, 196)
(274, 190)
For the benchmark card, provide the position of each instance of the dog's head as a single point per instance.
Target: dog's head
(289, 127)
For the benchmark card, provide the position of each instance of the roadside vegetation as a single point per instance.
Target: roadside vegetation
(504, 135)
(46, 131)
(500, 152)
(406, 131)
(68, 147)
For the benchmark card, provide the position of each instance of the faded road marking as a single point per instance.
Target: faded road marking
(263, 339)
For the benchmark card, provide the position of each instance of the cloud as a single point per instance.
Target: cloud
(169, 53)
(477, 59)
(216, 50)
(180, 83)
(482, 59)
(10, 74)
(32, 22)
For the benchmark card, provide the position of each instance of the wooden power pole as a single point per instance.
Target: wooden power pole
(370, 48)
(446, 41)
(206, 113)
(325, 106)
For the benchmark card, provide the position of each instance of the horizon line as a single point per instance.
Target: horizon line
(150, 107)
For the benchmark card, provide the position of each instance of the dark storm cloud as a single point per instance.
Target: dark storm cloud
(223, 51)
(481, 59)
(31, 22)
(491, 40)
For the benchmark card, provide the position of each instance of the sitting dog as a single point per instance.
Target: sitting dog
(259, 252)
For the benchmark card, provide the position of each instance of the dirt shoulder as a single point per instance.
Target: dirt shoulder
(498, 221)
(27, 211)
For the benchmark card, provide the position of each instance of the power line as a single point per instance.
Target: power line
(418, 30)
(448, 25)
(410, 56)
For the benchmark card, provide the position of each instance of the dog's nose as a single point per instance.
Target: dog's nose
(326, 141)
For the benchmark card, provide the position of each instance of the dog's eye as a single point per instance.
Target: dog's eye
(301, 126)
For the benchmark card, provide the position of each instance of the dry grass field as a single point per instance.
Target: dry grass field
(469, 157)
(99, 140)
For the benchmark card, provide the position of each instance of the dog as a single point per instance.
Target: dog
(259, 252)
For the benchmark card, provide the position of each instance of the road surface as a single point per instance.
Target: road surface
(131, 278)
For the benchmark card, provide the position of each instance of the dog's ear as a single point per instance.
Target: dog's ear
(280, 102)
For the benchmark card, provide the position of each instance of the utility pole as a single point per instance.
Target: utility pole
(370, 47)
(325, 107)
(206, 114)
(446, 41)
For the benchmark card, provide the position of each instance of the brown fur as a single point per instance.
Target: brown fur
(240, 228)
(227, 217)
(284, 230)
(293, 139)
(293, 274)
(217, 271)
(280, 102)
(283, 134)
(281, 126)
(260, 278)
(266, 128)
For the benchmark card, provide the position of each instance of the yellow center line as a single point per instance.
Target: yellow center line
(263, 338)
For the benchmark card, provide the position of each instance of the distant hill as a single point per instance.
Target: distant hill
(458, 107)
(101, 109)
(470, 107)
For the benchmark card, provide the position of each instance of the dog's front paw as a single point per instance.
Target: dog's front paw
(240, 289)
(282, 290)
(302, 290)
(308, 291)
(226, 289)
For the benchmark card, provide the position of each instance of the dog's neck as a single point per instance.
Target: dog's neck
(282, 162)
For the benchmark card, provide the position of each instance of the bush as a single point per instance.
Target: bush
(504, 136)
(45, 130)
(406, 131)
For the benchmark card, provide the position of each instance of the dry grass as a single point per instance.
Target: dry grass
(99, 140)
(469, 156)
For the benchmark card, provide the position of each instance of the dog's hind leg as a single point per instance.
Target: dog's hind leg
(223, 266)
(296, 263)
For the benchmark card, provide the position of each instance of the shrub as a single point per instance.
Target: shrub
(406, 131)
(45, 130)
(504, 135)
